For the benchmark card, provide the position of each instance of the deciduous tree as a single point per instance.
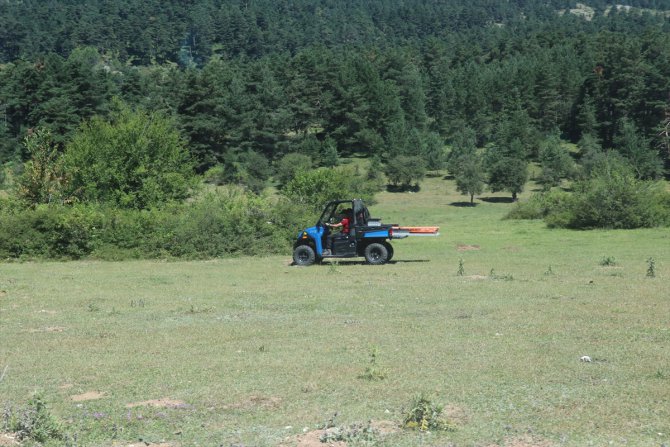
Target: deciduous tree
(135, 160)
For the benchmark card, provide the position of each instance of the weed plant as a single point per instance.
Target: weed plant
(424, 415)
(355, 433)
(461, 268)
(608, 261)
(651, 268)
(35, 422)
(373, 372)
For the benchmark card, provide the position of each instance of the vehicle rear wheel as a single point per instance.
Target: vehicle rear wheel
(376, 254)
(304, 255)
(389, 249)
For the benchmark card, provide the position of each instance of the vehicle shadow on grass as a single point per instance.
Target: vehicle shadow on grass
(346, 263)
(343, 262)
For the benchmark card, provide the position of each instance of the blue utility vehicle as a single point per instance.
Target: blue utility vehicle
(367, 237)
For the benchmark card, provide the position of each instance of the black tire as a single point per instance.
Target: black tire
(304, 255)
(376, 254)
(389, 249)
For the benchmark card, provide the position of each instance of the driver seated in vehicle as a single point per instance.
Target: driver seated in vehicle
(345, 224)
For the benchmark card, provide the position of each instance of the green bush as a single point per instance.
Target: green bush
(225, 223)
(619, 200)
(540, 205)
(612, 198)
(53, 232)
(249, 169)
(134, 234)
(228, 222)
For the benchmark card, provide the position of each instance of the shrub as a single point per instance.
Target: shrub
(540, 205)
(252, 170)
(230, 221)
(215, 175)
(612, 198)
(133, 234)
(47, 231)
(618, 200)
(224, 223)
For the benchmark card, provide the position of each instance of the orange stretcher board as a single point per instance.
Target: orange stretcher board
(417, 231)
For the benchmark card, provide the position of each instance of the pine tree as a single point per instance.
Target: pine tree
(507, 167)
(555, 161)
(463, 143)
(638, 151)
(329, 156)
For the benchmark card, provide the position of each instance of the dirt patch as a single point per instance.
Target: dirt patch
(49, 329)
(144, 444)
(159, 403)
(380, 429)
(90, 395)
(48, 312)
(3, 293)
(476, 277)
(463, 247)
(524, 441)
(8, 439)
(384, 428)
(455, 415)
(66, 386)
(311, 439)
(512, 249)
(255, 402)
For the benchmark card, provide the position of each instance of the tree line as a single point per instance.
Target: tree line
(566, 76)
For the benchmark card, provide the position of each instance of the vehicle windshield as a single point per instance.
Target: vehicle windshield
(334, 212)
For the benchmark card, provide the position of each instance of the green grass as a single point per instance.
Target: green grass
(257, 351)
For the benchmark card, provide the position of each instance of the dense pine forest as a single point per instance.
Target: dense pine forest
(128, 104)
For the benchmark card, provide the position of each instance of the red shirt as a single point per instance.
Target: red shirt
(345, 225)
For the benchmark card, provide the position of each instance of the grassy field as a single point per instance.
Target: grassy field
(255, 352)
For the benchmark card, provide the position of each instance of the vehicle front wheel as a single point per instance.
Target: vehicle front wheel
(304, 255)
(376, 254)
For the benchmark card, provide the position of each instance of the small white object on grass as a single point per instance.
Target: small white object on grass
(585, 358)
